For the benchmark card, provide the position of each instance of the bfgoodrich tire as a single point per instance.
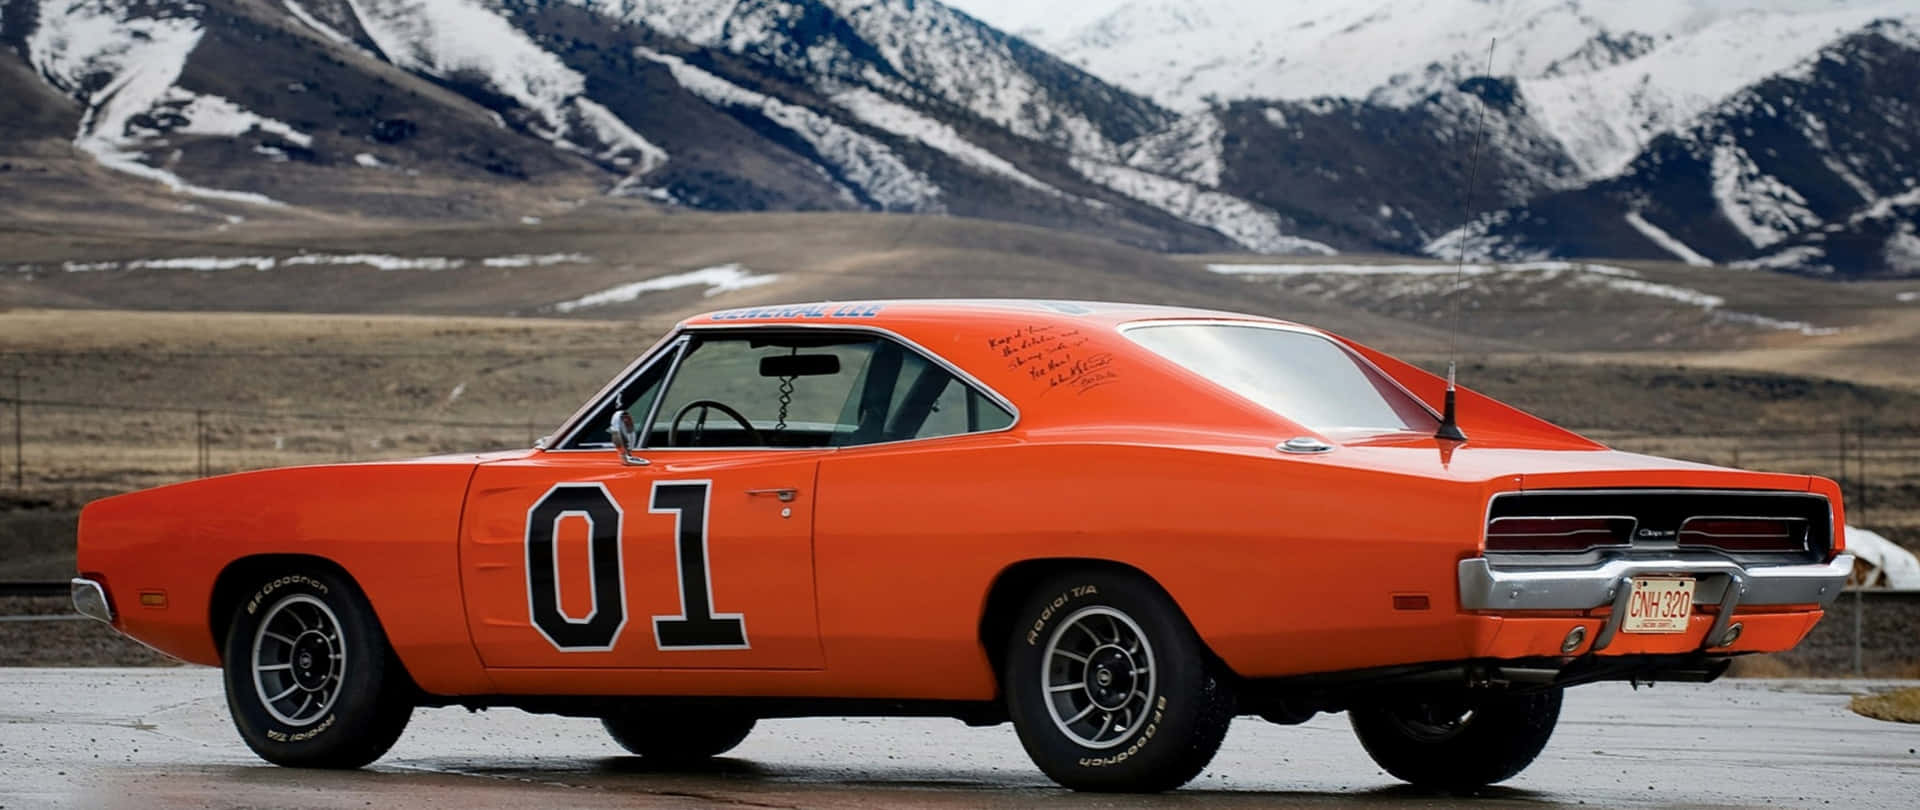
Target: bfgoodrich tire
(311, 682)
(678, 739)
(1109, 687)
(1458, 741)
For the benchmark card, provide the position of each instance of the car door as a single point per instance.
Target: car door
(694, 553)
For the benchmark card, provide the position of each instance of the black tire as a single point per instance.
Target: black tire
(1459, 741)
(360, 701)
(676, 738)
(1184, 707)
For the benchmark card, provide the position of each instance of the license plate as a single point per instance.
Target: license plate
(1659, 605)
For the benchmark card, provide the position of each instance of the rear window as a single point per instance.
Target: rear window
(1303, 377)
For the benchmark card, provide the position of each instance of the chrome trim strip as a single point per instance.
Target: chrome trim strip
(1482, 587)
(578, 421)
(90, 599)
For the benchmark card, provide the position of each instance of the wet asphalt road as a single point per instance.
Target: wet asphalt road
(160, 739)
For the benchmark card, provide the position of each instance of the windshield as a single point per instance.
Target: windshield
(1303, 377)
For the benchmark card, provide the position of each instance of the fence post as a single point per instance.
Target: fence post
(1858, 608)
(19, 445)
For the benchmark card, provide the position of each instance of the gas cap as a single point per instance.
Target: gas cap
(1304, 444)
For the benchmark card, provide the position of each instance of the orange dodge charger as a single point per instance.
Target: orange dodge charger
(1116, 526)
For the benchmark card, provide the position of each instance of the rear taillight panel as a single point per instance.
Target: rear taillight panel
(1742, 523)
(1565, 534)
(1744, 533)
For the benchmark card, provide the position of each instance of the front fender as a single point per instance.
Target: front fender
(392, 526)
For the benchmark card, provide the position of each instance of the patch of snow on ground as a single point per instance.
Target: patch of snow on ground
(367, 160)
(861, 161)
(1613, 278)
(1757, 204)
(884, 113)
(1803, 258)
(1411, 269)
(378, 261)
(1907, 297)
(721, 279)
(1251, 226)
(1666, 241)
(545, 260)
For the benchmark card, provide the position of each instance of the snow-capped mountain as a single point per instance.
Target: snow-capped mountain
(1768, 131)
(1815, 169)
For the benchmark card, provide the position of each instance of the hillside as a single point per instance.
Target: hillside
(1308, 129)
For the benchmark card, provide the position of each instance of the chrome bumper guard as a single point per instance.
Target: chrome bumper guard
(90, 599)
(1482, 587)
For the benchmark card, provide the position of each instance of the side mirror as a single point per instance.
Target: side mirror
(624, 437)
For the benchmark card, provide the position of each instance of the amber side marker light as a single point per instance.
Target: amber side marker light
(153, 599)
(1744, 533)
(1564, 534)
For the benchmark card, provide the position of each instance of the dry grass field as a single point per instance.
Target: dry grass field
(135, 376)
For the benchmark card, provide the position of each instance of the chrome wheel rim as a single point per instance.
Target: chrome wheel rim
(299, 660)
(1097, 677)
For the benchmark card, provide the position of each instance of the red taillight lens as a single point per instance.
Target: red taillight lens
(1745, 534)
(1558, 533)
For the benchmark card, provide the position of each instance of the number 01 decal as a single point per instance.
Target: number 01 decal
(696, 627)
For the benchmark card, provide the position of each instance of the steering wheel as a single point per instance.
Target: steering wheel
(705, 405)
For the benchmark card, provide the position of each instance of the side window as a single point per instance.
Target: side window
(766, 388)
(763, 391)
(635, 398)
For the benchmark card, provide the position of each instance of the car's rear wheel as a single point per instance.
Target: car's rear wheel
(1458, 740)
(678, 738)
(1109, 687)
(311, 681)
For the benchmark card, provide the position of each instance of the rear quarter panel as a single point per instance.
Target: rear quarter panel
(392, 526)
(1284, 564)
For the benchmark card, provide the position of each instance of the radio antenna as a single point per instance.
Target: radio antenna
(1449, 423)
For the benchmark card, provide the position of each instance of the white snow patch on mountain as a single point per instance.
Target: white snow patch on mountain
(1758, 205)
(1193, 149)
(367, 160)
(306, 17)
(935, 49)
(1251, 226)
(884, 113)
(77, 41)
(719, 279)
(862, 161)
(463, 39)
(1666, 241)
(1181, 52)
(1605, 117)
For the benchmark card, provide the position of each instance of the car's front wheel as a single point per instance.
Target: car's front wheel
(1458, 740)
(676, 738)
(1109, 687)
(311, 682)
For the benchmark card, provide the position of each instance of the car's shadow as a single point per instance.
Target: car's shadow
(631, 782)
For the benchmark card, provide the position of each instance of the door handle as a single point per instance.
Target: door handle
(785, 494)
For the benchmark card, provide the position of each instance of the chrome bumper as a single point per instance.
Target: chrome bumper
(90, 599)
(1721, 581)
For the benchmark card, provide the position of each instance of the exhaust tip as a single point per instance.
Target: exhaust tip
(1732, 635)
